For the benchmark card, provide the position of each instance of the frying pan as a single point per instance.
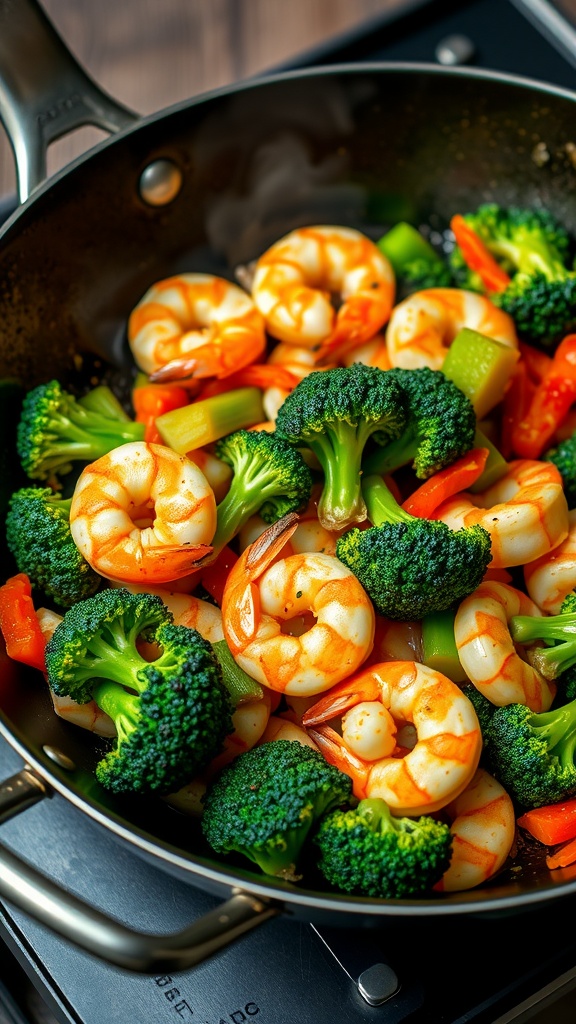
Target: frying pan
(204, 186)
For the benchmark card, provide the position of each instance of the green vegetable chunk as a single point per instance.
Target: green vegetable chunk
(267, 802)
(369, 852)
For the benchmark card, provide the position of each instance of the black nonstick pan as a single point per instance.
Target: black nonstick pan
(205, 186)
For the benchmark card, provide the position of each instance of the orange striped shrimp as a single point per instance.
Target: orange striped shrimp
(447, 746)
(188, 610)
(525, 512)
(300, 362)
(423, 326)
(264, 592)
(483, 827)
(487, 652)
(143, 514)
(550, 578)
(371, 353)
(295, 279)
(195, 325)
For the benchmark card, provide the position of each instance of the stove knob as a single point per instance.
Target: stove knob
(456, 49)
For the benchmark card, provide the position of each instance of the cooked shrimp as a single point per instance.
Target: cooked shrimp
(423, 326)
(483, 827)
(296, 278)
(525, 512)
(195, 325)
(143, 514)
(487, 652)
(372, 353)
(188, 610)
(448, 743)
(309, 535)
(551, 577)
(281, 728)
(262, 596)
(300, 362)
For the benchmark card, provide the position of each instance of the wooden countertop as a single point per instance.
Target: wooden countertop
(149, 55)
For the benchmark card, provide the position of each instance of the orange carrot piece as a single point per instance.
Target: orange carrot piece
(424, 501)
(552, 823)
(478, 257)
(550, 403)
(537, 363)
(19, 623)
(152, 400)
(563, 857)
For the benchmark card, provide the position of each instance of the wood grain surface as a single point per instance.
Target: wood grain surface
(149, 54)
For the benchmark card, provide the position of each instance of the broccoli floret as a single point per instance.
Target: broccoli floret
(484, 709)
(535, 251)
(557, 660)
(440, 427)
(334, 413)
(366, 850)
(532, 753)
(56, 430)
(409, 566)
(39, 538)
(564, 458)
(270, 477)
(265, 804)
(419, 275)
(171, 714)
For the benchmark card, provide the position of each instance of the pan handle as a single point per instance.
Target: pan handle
(44, 92)
(91, 930)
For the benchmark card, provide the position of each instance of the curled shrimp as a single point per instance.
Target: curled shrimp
(188, 610)
(483, 827)
(423, 326)
(550, 578)
(300, 362)
(143, 514)
(296, 278)
(264, 592)
(448, 741)
(487, 652)
(195, 325)
(525, 512)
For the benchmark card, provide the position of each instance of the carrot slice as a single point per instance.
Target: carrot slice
(424, 501)
(552, 823)
(19, 623)
(551, 401)
(563, 857)
(478, 257)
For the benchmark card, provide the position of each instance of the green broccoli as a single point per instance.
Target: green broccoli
(535, 251)
(367, 851)
(409, 566)
(334, 413)
(171, 714)
(440, 426)
(415, 262)
(39, 538)
(558, 659)
(563, 455)
(532, 753)
(270, 477)
(265, 804)
(56, 429)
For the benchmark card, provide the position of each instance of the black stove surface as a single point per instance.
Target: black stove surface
(486, 970)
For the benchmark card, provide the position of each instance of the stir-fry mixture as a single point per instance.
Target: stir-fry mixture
(316, 583)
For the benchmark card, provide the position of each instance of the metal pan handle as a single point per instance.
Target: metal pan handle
(44, 92)
(95, 932)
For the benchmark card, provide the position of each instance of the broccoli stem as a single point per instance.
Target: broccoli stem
(241, 687)
(339, 452)
(102, 400)
(394, 454)
(206, 421)
(550, 661)
(120, 705)
(381, 505)
(119, 663)
(252, 485)
(439, 649)
(557, 729)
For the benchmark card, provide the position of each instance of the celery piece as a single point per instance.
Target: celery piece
(404, 244)
(496, 465)
(439, 650)
(206, 421)
(481, 367)
(241, 687)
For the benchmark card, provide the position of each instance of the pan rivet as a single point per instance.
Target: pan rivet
(455, 49)
(160, 182)
(62, 760)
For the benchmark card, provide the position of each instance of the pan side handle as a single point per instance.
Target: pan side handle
(44, 92)
(97, 933)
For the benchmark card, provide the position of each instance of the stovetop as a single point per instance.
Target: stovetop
(486, 970)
